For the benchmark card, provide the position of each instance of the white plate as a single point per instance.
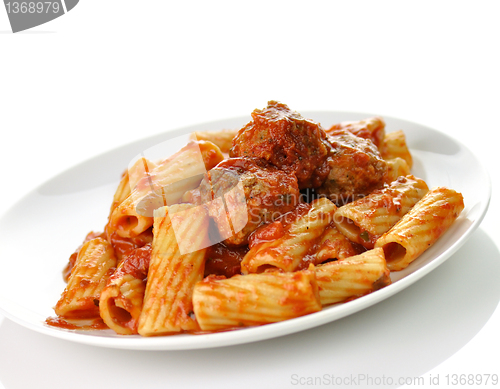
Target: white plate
(43, 228)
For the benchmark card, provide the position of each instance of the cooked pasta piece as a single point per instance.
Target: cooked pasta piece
(121, 300)
(395, 146)
(289, 252)
(72, 258)
(126, 221)
(334, 245)
(122, 192)
(129, 180)
(223, 138)
(396, 167)
(94, 265)
(172, 274)
(353, 277)
(363, 221)
(254, 299)
(164, 185)
(420, 227)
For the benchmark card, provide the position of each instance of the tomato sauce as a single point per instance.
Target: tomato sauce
(224, 261)
(123, 246)
(76, 324)
(135, 263)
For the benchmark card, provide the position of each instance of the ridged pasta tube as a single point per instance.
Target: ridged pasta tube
(334, 245)
(254, 299)
(363, 221)
(94, 265)
(420, 227)
(288, 252)
(130, 177)
(394, 146)
(172, 275)
(121, 300)
(396, 168)
(164, 185)
(222, 138)
(353, 277)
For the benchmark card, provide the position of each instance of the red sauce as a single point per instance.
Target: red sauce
(223, 260)
(267, 233)
(136, 263)
(277, 229)
(372, 129)
(124, 246)
(242, 165)
(76, 324)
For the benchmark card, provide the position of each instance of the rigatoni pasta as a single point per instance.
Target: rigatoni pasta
(139, 169)
(120, 304)
(223, 138)
(363, 221)
(255, 299)
(288, 252)
(352, 277)
(164, 185)
(396, 167)
(394, 146)
(420, 227)
(95, 263)
(173, 275)
(334, 245)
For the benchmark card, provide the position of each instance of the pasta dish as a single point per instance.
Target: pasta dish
(251, 226)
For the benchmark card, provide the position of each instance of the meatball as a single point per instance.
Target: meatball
(356, 168)
(286, 140)
(372, 128)
(244, 193)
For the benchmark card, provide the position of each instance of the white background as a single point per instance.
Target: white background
(111, 72)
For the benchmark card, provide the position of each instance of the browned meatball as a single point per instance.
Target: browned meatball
(249, 193)
(356, 168)
(371, 128)
(286, 140)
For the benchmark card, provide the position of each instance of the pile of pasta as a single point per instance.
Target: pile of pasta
(145, 273)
